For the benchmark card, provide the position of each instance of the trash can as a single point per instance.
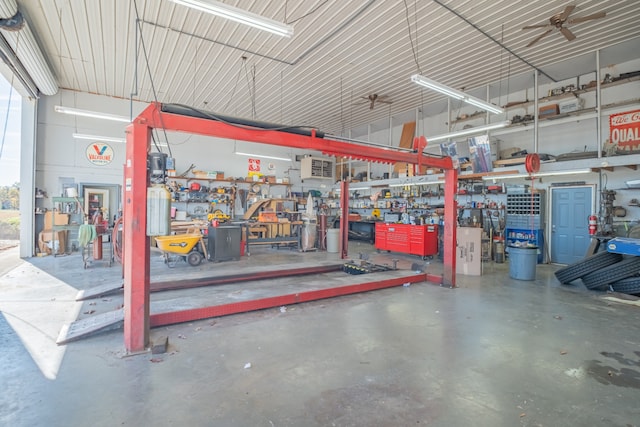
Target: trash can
(333, 240)
(522, 262)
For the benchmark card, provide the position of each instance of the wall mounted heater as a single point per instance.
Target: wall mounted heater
(316, 167)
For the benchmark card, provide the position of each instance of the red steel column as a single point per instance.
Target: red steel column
(450, 224)
(136, 242)
(344, 223)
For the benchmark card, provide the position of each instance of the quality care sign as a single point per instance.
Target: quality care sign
(99, 153)
(624, 130)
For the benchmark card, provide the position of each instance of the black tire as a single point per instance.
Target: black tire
(630, 285)
(194, 258)
(618, 271)
(588, 265)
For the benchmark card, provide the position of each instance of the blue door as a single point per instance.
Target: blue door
(570, 210)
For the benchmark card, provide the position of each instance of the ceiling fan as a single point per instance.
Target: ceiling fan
(373, 99)
(559, 20)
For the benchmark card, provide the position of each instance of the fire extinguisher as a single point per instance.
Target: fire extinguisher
(593, 224)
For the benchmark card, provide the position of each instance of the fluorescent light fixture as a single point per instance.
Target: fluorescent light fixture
(93, 114)
(285, 159)
(456, 94)
(359, 188)
(537, 175)
(238, 15)
(470, 131)
(98, 138)
(484, 105)
(417, 183)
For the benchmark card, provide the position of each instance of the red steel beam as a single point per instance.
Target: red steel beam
(219, 129)
(344, 220)
(162, 319)
(136, 243)
(450, 224)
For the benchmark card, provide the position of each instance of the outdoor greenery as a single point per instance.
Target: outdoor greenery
(9, 213)
(10, 196)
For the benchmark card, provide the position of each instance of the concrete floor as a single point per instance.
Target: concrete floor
(493, 352)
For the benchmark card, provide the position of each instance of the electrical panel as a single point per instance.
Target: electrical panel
(315, 167)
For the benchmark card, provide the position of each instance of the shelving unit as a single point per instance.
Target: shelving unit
(220, 197)
(73, 207)
(581, 114)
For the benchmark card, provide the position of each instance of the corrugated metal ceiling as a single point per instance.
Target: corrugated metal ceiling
(341, 51)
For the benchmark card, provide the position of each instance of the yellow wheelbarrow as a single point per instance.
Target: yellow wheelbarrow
(182, 246)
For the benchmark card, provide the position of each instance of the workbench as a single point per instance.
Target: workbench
(272, 233)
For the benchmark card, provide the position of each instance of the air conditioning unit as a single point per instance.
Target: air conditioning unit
(316, 167)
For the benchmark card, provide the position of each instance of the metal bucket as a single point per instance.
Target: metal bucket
(522, 262)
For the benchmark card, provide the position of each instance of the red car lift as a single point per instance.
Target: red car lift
(137, 320)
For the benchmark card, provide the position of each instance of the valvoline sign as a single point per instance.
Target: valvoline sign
(99, 153)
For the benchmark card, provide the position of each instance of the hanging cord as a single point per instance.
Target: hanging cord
(303, 16)
(531, 208)
(235, 85)
(341, 109)
(281, 101)
(153, 86)
(6, 116)
(251, 84)
(413, 48)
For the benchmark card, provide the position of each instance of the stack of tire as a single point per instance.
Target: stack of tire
(604, 271)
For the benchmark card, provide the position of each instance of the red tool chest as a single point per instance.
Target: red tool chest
(419, 240)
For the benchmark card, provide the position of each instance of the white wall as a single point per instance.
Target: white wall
(60, 155)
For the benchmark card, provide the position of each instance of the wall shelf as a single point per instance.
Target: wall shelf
(574, 93)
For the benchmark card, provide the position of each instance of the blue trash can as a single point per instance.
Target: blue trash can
(522, 262)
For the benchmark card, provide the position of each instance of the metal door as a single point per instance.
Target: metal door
(570, 210)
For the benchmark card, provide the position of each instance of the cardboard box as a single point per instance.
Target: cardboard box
(548, 110)
(571, 106)
(469, 251)
(507, 152)
(52, 218)
(52, 242)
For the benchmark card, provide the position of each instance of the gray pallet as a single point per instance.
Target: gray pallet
(99, 291)
(81, 328)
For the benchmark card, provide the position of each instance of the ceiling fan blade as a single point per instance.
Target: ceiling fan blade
(588, 17)
(529, 27)
(567, 33)
(537, 39)
(567, 12)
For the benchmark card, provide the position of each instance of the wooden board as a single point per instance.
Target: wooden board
(509, 162)
(406, 141)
